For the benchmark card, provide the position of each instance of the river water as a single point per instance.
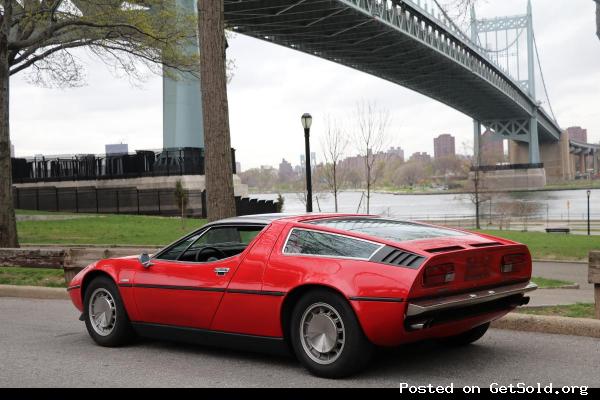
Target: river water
(555, 205)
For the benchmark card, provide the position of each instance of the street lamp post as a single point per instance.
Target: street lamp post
(589, 193)
(306, 124)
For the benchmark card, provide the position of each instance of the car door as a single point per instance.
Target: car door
(184, 284)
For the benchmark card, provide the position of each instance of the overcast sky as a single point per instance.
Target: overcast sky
(273, 86)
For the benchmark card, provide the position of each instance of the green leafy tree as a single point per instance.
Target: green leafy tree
(38, 37)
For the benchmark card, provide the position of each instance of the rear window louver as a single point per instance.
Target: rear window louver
(491, 244)
(445, 249)
(393, 256)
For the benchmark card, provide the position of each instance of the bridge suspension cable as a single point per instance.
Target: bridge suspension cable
(543, 79)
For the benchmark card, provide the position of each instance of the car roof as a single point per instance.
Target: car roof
(292, 217)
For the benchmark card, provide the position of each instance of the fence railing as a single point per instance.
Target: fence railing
(142, 163)
(506, 167)
(93, 200)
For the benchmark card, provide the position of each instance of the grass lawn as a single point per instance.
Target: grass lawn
(579, 310)
(106, 230)
(544, 283)
(553, 246)
(32, 277)
(113, 229)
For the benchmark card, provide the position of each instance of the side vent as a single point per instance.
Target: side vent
(393, 256)
(489, 244)
(445, 249)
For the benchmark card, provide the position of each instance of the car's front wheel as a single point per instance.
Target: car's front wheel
(327, 337)
(105, 317)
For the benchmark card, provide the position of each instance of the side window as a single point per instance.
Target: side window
(221, 242)
(302, 241)
(175, 251)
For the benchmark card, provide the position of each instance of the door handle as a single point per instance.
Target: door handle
(221, 271)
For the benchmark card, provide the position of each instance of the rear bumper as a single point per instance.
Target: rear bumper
(421, 307)
(395, 323)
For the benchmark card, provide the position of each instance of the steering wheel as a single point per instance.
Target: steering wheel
(220, 253)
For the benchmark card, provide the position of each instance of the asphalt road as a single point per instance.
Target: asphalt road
(42, 344)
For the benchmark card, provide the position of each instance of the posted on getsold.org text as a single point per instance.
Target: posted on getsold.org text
(495, 388)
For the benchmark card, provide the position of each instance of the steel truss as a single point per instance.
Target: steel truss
(399, 41)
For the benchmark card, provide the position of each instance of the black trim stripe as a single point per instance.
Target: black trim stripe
(73, 287)
(257, 292)
(380, 299)
(173, 287)
(203, 289)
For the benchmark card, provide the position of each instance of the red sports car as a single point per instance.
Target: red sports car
(327, 287)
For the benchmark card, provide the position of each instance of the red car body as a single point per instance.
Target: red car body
(253, 299)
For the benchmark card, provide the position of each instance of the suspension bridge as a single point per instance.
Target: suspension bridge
(491, 71)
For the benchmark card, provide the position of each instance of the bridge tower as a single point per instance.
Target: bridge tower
(502, 39)
(183, 124)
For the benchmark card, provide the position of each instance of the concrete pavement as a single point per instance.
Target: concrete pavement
(43, 344)
(571, 272)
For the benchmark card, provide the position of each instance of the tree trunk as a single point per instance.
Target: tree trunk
(335, 188)
(8, 225)
(368, 185)
(217, 142)
(477, 224)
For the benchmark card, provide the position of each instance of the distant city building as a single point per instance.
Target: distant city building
(396, 152)
(121, 148)
(286, 171)
(423, 157)
(492, 150)
(238, 167)
(578, 134)
(444, 146)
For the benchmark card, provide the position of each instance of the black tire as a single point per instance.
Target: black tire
(351, 357)
(121, 331)
(467, 337)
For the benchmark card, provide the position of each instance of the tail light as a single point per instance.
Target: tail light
(437, 275)
(513, 263)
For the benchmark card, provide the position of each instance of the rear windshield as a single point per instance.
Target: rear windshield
(397, 231)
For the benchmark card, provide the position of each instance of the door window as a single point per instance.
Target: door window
(175, 251)
(220, 242)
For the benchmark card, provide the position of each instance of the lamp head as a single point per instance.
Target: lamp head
(306, 121)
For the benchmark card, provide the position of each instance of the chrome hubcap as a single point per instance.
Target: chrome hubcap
(102, 312)
(322, 333)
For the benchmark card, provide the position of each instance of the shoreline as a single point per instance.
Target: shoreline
(444, 192)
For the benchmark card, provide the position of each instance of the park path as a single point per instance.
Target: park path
(571, 272)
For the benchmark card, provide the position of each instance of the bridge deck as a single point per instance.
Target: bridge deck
(405, 48)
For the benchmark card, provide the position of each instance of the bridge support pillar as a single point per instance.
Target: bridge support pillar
(476, 143)
(518, 152)
(534, 141)
(183, 124)
(583, 163)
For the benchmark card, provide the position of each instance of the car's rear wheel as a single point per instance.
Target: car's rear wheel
(467, 337)
(327, 337)
(105, 316)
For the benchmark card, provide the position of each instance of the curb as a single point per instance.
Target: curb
(573, 286)
(548, 324)
(561, 261)
(34, 292)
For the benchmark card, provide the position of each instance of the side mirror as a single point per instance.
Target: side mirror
(145, 259)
